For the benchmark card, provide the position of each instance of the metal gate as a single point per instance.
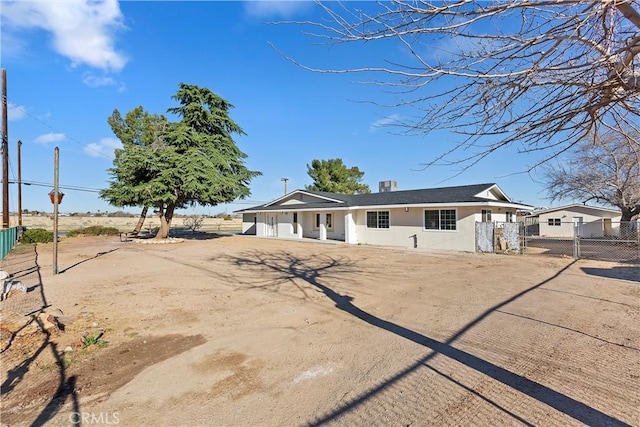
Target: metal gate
(608, 241)
(484, 237)
(502, 237)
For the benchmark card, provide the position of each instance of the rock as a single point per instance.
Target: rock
(48, 322)
(11, 285)
(56, 312)
(68, 349)
(4, 275)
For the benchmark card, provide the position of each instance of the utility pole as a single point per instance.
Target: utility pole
(19, 185)
(56, 155)
(285, 184)
(5, 154)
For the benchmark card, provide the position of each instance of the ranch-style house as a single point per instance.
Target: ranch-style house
(434, 218)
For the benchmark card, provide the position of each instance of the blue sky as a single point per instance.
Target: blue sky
(69, 65)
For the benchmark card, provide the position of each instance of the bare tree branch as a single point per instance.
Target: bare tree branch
(607, 171)
(542, 74)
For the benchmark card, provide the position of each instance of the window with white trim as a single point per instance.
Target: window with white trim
(509, 216)
(486, 215)
(329, 221)
(377, 219)
(554, 222)
(317, 224)
(440, 219)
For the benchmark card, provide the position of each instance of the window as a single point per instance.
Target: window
(448, 219)
(378, 219)
(432, 220)
(509, 216)
(443, 219)
(554, 222)
(486, 215)
(328, 222)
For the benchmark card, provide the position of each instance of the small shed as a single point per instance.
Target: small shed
(592, 221)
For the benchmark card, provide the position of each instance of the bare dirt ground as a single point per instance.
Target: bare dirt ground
(246, 331)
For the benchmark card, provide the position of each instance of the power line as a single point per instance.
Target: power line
(83, 145)
(66, 187)
(97, 190)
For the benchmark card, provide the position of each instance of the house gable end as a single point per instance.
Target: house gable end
(493, 193)
(300, 198)
(579, 209)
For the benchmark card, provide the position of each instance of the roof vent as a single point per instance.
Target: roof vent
(387, 186)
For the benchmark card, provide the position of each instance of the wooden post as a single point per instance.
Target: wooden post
(5, 154)
(56, 155)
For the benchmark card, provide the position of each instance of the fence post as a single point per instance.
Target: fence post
(576, 240)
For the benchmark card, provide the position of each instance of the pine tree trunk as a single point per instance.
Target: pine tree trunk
(166, 215)
(143, 216)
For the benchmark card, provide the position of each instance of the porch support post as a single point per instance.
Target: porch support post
(261, 225)
(350, 235)
(323, 226)
(300, 222)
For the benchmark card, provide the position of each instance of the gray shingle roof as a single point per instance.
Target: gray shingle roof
(458, 194)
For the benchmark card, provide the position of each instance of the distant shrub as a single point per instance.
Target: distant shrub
(193, 222)
(37, 235)
(228, 218)
(94, 230)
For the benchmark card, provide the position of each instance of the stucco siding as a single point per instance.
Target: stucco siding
(285, 225)
(496, 215)
(336, 232)
(406, 229)
(338, 226)
(592, 222)
(249, 223)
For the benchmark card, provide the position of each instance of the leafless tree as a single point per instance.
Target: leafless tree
(607, 172)
(541, 75)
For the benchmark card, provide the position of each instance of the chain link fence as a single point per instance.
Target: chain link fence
(609, 241)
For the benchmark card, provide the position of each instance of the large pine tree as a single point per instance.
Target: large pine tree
(193, 161)
(333, 176)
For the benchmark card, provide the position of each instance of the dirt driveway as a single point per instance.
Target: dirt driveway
(246, 331)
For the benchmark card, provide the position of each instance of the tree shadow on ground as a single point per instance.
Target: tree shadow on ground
(283, 267)
(179, 234)
(66, 384)
(625, 273)
(197, 235)
(99, 254)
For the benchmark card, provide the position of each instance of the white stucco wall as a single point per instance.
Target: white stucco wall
(593, 222)
(309, 224)
(249, 225)
(497, 214)
(407, 229)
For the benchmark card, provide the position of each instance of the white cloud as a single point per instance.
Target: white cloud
(99, 81)
(276, 8)
(95, 81)
(15, 112)
(82, 30)
(48, 138)
(103, 148)
(391, 120)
